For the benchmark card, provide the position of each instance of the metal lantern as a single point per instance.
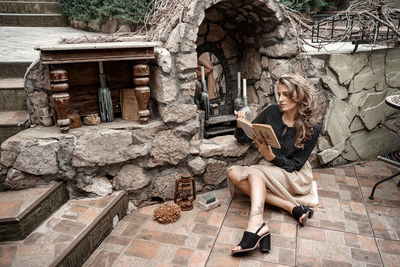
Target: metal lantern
(185, 191)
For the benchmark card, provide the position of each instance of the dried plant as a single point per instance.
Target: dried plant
(361, 19)
(168, 212)
(162, 11)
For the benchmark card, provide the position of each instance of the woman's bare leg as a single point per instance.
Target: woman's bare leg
(257, 198)
(271, 198)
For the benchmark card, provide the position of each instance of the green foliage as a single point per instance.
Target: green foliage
(309, 6)
(100, 10)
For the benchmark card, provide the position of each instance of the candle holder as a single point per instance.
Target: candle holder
(185, 192)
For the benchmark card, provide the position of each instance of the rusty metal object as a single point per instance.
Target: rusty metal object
(141, 70)
(185, 191)
(58, 75)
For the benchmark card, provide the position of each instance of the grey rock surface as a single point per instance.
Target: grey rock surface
(169, 148)
(130, 178)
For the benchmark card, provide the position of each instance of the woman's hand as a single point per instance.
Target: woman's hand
(264, 149)
(241, 114)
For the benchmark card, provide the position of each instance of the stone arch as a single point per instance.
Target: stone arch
(250, 32)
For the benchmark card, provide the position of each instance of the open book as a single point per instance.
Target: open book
(260, 131)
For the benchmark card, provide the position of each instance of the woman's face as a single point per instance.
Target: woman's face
(286, 103)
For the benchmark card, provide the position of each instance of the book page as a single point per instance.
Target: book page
(266, 132)
(247, 127)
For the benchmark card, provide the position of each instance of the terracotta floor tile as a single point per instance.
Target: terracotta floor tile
(338, 187)
(7, 255)
(10, 209)
(216, 219)
(236, 221)
(137, 218)
(390, 251)
(204, 229)
(102, 259)
(31, 239)
(182, 256)
(87, 216)
(386, 194)
(385, 221)
(205, 243)
(69, 227)
(143, 249)
(342, 215)
(162, 237)
(131, 229)
(203, 217)
(218, 260)
(117, 240)
(199, 258)
(337, 246)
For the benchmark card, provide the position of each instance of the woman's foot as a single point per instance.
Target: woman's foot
(252, 237)
(301, 214)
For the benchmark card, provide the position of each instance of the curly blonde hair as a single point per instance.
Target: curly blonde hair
(300, 90)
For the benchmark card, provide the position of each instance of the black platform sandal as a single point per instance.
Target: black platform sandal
(299, 211)
(251, 240)
(310, 210)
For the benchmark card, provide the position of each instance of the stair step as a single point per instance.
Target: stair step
(70, 235)
(23, 210)
(12, 122)
(13, 118)
(13, 69)
(12, 84)
(12, 94)
(29, 7)
(33, 20)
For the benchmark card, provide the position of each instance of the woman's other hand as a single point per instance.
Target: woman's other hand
(264, 149)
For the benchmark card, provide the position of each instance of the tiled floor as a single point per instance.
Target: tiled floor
(347, 230)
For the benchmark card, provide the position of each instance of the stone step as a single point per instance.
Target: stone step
(12, 122)
(23, 210)
(13, 69)
(33, 20)
(12, 94)
(70, 235)
(29, 7)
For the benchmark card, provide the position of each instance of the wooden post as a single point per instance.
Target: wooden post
(141, 81)
(60, 97)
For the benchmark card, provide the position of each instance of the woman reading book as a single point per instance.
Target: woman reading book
(283, 177)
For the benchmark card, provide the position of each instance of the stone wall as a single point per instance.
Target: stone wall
(359, 125)
(145, 160)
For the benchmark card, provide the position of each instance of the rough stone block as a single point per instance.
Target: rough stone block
(130, 177)
(346, 66)
(392, 67)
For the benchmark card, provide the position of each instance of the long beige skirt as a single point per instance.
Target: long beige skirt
(297, 187)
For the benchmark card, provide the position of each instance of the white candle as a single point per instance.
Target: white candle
(244, 87)
(238, 80)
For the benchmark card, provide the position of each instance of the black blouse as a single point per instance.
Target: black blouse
(288, 156)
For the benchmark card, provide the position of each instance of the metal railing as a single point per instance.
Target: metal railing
(346, 28)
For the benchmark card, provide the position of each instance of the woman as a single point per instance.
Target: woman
(283, 177)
